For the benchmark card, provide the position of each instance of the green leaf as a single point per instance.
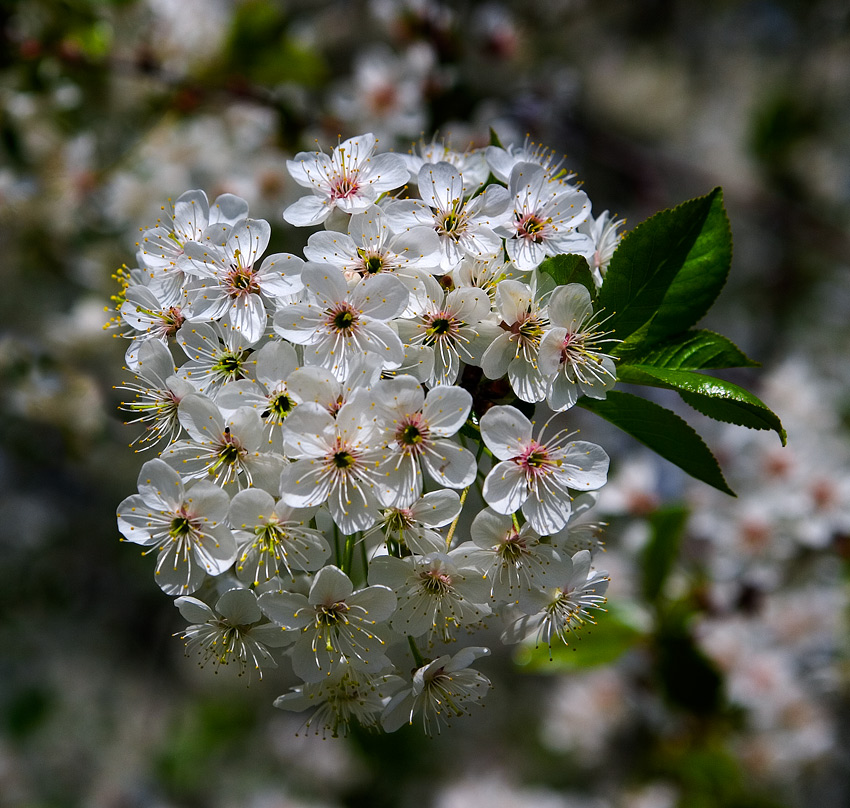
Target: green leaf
(716, 398)
(616, 631)
(494, 139)
(669, 269)
(564, 269)
(667, 526)
(662, 431)
(696, 350)
(701, 278)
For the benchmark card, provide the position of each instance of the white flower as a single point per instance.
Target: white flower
(158, 395)
(472, 165)
(556, 611)
(441, 690)
(370, 247)
(335, 623)
(416, 432)
(464, 228)
(449, 326)
(350, 179)
(273, 538)
(570, 352)
(227, 450)
(230, 287)
(231, 633)
(344, 696)
(536, 475)
(605, 238)
(544, 219)
(269, 393)
(434, 595)
(215, 356)
(344, 323)
(514, 351)
(161, 248)
(502, 161)
(411, 528)
(336, 461)
(185, 525)
(150, 318)
(510, 557)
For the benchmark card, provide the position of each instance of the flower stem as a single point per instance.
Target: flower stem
(451, 532)
(417, 657)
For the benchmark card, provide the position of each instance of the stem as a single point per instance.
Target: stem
(457, 518)
(365, 559)
(337, 554)
(349, 555)
(417, 657)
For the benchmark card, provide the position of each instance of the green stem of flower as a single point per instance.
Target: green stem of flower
(348, 561)
(451, 532)
(417, 657)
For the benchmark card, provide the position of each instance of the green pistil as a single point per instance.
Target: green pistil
(229, 365)
(411, 435)
(228, 455)
(343, 320)
(535, 460)
(450, 223)
(242, 281)
(438, 328)
(374, 264)
(281, 406)
(180, 527)
(268, 539)
(343, 460)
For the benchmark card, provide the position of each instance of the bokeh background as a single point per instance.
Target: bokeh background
(719, 677)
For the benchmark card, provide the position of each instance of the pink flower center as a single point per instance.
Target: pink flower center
(535, 461)
(531, 227)
(241, 281)
(344, 186)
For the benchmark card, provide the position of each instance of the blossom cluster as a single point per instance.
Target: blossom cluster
(328, 416)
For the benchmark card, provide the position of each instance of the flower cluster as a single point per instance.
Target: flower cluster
(329, 417)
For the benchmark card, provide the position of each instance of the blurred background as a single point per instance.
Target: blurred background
(719, 676)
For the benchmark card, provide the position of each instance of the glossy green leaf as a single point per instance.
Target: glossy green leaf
(616, 631)
(564, 269)
(659, 554)
(669, 269)
(662, 431)
(701, 278)
(716, 398)
(696, 350)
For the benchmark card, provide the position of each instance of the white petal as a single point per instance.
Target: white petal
(506, 431)
(505, 488)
